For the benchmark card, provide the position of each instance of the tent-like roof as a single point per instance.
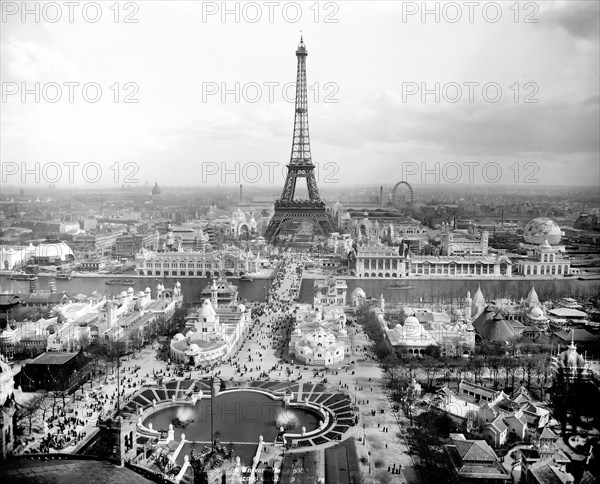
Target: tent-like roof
(492, 326)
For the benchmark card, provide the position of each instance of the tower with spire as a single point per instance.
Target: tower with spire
(532, 299)
(478, 303)
(289, 212)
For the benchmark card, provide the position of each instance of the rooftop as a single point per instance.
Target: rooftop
(53, 358)
(567, 313)
(16, 471)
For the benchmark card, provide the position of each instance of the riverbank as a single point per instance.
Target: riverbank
(436, 277)
(264, 274)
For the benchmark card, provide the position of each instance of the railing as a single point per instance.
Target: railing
(148, 474)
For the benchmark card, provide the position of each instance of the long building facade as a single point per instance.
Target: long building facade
(386, 262)
(231, 261)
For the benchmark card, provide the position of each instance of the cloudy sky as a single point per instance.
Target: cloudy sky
(512, 94)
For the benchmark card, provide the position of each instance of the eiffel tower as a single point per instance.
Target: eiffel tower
(291, 214)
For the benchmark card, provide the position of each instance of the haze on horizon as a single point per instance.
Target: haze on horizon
(370, 130)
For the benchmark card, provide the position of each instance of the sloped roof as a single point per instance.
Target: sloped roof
(548, 474)
(41, 297)
(580, 335)
(492, 326)
(498, 424)
(567, 313)
(547, 433)
(475, 450)
(53, 358)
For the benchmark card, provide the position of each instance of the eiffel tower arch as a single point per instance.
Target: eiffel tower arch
(292, 216)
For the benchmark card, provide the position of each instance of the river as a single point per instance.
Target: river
(429, 290)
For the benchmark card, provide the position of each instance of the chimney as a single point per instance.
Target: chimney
(381, 196)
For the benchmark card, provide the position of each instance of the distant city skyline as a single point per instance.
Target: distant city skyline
(369, 72)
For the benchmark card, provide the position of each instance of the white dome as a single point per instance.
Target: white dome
(53, 250)
(130, 290)
(178, 284)
(207, 311)
(178, 337)
(241, 308)
(536, 312)
(412, 327)
(147, 290)
(358, 292)
(194, 347)
(541, 229)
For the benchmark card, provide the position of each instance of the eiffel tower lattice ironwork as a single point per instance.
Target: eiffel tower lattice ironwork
(301, 166)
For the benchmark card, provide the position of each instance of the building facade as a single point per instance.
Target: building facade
(382, 261)
(544, 260)
(457, 243)
(230, 261)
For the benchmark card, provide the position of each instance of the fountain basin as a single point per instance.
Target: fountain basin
(239, 416)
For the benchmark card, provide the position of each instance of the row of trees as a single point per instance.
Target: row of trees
(42, 406)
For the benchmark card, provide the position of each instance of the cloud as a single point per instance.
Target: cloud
(580, 19)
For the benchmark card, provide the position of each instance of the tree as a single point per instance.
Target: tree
(542, 372)
(433, 351)
(528, 365)
(45, 405)
(476, 366)
(430, 367)
(30, 408)
(510, 366)
(494, 365)
(403, 392)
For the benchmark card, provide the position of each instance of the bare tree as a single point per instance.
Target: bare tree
(45, 405)
(494, 365)
(477, 367)
(510, 368)
(30, 408)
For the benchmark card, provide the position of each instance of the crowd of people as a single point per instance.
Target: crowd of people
(272, 326)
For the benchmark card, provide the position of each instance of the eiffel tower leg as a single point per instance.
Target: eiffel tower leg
(275, 226)
(311, 184)
(289, 188)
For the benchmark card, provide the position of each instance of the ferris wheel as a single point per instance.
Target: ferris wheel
(402, 195)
